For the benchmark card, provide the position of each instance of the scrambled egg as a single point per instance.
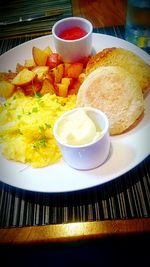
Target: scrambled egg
(26, 127)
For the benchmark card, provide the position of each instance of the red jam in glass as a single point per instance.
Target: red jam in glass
(73, 33)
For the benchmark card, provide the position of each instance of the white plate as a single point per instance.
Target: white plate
(127, 150)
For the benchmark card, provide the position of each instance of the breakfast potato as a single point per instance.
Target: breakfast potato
(58, 73)
(19, 67)
(66, 80)
(40, 72)
(75, 70)
(47, 87)
(63, 87)
(48, 50)
(39, 56)
(7, 76)
(66, 67)
(6, 89)
(41, 60)
(29, 63)
(45, 72)
(50, 77)
(24, 77)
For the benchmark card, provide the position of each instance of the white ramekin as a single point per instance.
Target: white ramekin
(73, 50)
(91, 155)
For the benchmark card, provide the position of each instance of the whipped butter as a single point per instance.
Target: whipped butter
(77, 129)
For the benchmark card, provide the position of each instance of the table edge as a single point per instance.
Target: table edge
(74, 231)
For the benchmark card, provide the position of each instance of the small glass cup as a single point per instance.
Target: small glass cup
(137, 29)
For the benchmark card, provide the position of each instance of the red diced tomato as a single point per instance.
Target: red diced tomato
(53, 60)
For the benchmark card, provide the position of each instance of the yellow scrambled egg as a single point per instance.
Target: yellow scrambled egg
(26, 127)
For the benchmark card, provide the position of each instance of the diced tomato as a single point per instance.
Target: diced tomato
(74, 88)
(53, 60)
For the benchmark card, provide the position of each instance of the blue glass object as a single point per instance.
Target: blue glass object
(137, 28)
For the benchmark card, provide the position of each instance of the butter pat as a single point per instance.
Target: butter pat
(77, 129)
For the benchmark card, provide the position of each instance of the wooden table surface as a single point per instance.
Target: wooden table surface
(74, 231)
(100, 13)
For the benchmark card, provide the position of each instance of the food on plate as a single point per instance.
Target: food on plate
(74, 70)
(29, 63)
(7, 76)
(53, 60)
(83, 137)
(24, 77)
(26, 127)
(41, 72)
(39, 56)
(6, 89)
(116, 92)
(63, 86)
(44, 73)
(126, 59)
(39, 91)
(78, 129)
(47, 87)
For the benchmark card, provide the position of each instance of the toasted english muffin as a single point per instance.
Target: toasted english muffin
(115, 91)
(125, 59)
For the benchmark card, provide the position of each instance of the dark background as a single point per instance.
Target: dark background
(132, 250)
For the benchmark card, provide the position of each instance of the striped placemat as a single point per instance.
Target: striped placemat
(125, 197)
(8, 43)
(11, 10)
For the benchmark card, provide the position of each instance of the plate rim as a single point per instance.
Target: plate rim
(95, 35)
